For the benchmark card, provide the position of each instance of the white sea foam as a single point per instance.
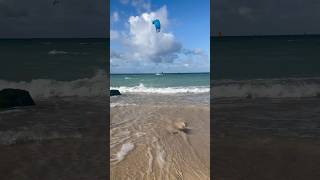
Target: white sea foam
(160, 156)
(168, 90)
(55, 52)
(271, 88)
(122, 104)
(11, 111)
(139, 134)
(150, 161)
(125, 149)
(12, 137)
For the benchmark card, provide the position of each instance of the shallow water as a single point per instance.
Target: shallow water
(286, 117)
(59, 138)
(53, 118)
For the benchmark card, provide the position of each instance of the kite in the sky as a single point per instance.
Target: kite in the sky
(157, 24)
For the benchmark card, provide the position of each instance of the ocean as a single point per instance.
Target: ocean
(266, 66)
(265, 107)
(162, 83)
(68, 82)
(269, 70)
(54, 67)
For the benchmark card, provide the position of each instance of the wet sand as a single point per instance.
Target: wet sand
(146, 144)
(268, 158)
(266, 139)
(59, 138)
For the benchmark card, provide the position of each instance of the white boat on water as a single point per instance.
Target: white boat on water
(159, 74)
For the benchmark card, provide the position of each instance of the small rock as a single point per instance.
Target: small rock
(114, 92)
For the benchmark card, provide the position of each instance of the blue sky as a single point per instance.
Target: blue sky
(183, 45)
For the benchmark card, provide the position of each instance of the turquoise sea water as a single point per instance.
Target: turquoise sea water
(161, 83)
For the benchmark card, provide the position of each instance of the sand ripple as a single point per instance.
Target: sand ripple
(145, 143)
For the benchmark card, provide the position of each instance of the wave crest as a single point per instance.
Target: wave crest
(45, 88)
(54, 52)
(57, 52)
(168, 90)
(270, 88)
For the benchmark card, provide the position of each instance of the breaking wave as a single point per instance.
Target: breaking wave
(167, 90)
(45, 88)
(57, 52)
(97, 86)
(54, 52)
(270, 88)
(12, 137)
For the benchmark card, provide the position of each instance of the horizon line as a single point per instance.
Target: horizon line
(56, 38)
(163, 73)
(253, 35)
(264, 35)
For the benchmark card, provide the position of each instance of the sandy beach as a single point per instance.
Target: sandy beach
(266, 138)
(146, 142)
(160, 124)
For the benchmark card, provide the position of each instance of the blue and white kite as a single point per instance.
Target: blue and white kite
(157, 24)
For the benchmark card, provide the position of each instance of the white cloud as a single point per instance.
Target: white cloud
(145, 50)
(114, 34)
(147, 43)
(115, 17)
(116, 58)
(141, 5)
(124, 1)
(197, 53)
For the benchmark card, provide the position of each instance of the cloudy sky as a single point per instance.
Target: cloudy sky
(88, 18)
(181, 46)
(265, 17)
(53, 18)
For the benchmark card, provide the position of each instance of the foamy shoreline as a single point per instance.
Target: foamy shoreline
(146, 145)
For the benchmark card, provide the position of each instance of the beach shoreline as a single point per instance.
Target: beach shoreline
(146, 144)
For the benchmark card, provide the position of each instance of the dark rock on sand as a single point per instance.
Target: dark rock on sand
(15, 97)
(114, 92)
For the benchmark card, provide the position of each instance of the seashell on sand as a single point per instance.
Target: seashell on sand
(180, 125)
